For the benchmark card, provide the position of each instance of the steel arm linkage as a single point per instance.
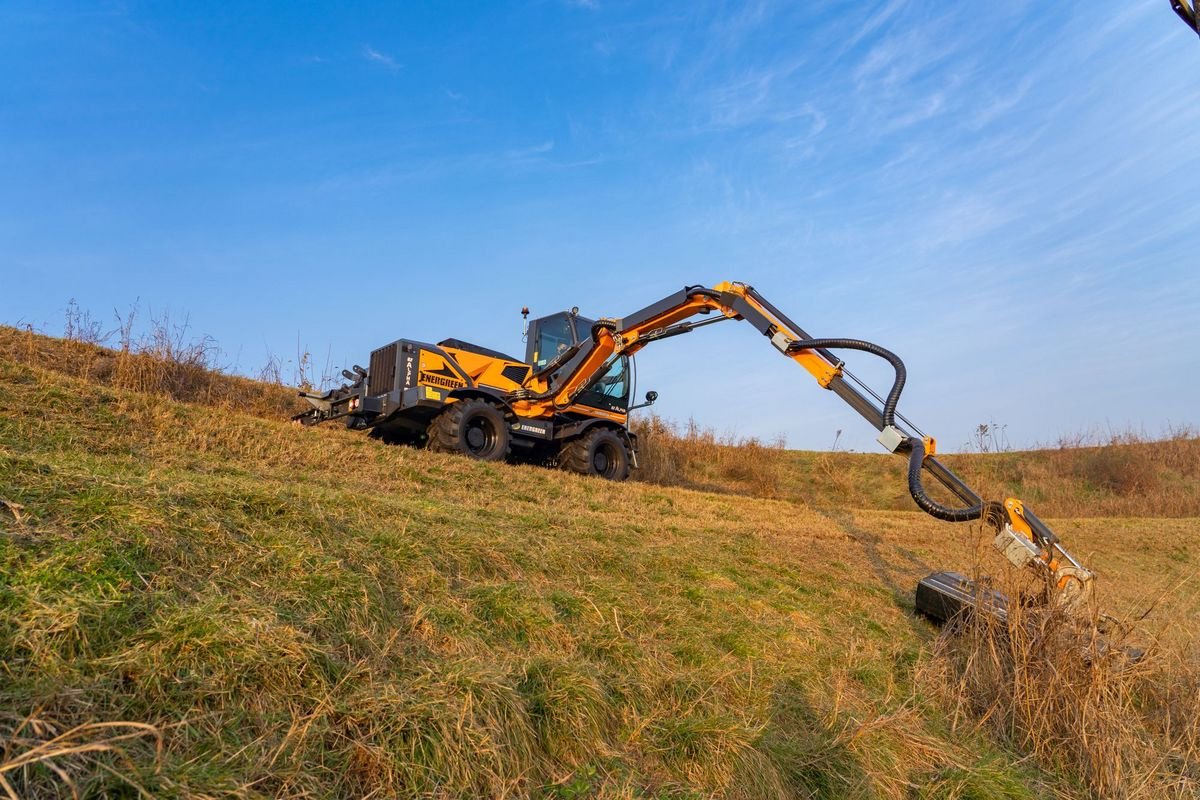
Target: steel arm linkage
(1023, 537)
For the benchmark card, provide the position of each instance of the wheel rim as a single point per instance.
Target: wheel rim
(480, 436)
(606, 460)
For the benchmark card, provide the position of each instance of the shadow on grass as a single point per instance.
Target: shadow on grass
(807, 756)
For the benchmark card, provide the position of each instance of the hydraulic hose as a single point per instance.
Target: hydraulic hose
(893, 396)
(916, 459)
(916, 446)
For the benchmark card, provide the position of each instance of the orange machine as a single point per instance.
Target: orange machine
(568, 402)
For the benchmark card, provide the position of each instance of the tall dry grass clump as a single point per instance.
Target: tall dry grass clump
(159, 357)
(1099, 473)
(697, 457)
(1074, 693)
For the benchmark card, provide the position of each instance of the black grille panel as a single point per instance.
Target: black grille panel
(381, 377)
(517, 373)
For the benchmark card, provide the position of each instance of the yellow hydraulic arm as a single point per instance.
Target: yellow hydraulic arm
(1021, 536)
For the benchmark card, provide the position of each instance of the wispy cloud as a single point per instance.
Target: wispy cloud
(377, 57)
(533, 150)
(1001, 105)
(924, 109)
(875, 21)
(898, 59)
(753, 96)
(533, 158)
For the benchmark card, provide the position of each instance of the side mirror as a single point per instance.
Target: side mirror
(650, 398)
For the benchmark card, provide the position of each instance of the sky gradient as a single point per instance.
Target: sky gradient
(1005, 194)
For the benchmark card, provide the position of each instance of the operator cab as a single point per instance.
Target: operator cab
(548, 337)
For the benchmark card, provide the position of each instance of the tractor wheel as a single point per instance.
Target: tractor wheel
(473, 427)
(600, 451)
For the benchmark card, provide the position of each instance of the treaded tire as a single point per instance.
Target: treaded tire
(601, 452)
(474, 428)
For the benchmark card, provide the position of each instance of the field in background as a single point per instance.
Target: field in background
(1125, 475)
(198, 598)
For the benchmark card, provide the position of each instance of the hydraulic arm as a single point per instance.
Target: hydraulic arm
(1020, 535)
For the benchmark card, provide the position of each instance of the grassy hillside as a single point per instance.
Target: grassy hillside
(199, 601)
(1127, 477)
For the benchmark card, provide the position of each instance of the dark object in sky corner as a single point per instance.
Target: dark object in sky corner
(1186, 9)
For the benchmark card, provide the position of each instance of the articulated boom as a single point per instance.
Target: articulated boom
(567, 403)
(1021, 536)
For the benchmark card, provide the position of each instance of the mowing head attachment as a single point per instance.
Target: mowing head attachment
(1026, 541)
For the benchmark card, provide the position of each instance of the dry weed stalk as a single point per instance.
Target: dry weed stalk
(35, 747)
(1077, 695)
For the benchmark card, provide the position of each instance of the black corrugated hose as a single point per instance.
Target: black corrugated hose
(916, 457)
(893, 397)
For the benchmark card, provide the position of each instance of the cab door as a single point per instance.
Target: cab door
(609, 392)
(548, 338)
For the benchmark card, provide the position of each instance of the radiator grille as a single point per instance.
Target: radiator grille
(517, 373)
(381, 377)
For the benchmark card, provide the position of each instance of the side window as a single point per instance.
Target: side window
(610, 390)
(614, 384)
(554, 336)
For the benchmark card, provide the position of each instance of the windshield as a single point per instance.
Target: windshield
(612, 383)
(611, 390)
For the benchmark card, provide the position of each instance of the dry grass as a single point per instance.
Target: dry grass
(295, 612)
(700, 458)
(309, 613)
(37, 758)
(1079, 697)
(163, 361)
(1115, 475)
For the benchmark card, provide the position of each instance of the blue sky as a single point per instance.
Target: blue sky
(1003, 193)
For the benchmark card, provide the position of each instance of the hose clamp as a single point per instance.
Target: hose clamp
(891, 438)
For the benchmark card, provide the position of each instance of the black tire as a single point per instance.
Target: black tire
(601, 452)
(474, 428)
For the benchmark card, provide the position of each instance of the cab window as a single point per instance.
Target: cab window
(553, 337)
(610, 390)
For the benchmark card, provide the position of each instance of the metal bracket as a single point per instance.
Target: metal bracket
(891, 438)
(1015, 547)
